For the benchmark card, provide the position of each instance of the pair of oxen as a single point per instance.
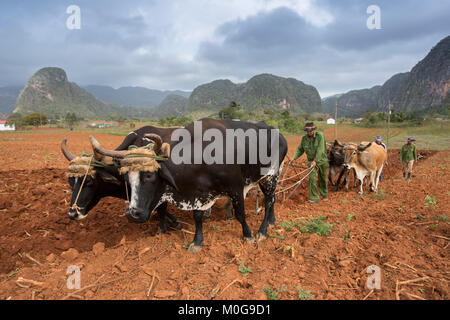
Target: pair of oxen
(141, 170)
(365, 159)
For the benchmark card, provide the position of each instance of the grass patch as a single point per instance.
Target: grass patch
(271, 294)
(316, 225)
(441, 217)
(380, 195)
(289, 225)
(350, 217)
(304, 294)
(244, 270)
(430, 201)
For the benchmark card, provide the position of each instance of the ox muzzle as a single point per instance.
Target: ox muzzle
(136, 215)
(77, 214)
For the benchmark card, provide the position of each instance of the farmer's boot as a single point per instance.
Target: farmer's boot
(409, 177)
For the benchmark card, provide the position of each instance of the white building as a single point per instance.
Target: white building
(331, 121)
(5, 127)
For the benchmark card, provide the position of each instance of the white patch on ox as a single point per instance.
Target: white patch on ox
(197, 204)
(134, 182)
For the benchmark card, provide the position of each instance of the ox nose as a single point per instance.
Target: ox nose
(76, 215)
(72, 215)
(135, 215)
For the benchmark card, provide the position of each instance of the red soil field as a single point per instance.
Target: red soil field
(398, 231)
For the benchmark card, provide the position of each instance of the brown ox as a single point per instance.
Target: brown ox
(367, 160)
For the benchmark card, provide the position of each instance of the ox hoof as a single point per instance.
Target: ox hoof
(260, 237)
(160, 231)
(176, 225)
(193, 248)
(250, 240)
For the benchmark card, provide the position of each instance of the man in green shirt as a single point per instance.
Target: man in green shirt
(314, 145)
(407, 156)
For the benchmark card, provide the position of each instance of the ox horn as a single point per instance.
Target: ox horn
(69, 156)
(111, 153)
(166, 150)
(156, 139)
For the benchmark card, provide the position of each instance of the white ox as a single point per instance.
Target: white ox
(367, 160)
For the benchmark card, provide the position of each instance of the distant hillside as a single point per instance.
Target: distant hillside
(173, 104)
(263, 91)
(132, 96)
(8, 96)
(48, 91)
(426, 86)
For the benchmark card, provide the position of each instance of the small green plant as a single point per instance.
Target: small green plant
(421, 290)
(400, 209)
(350, 216)
(185, 246)
(304, 294)
(430, 201)
(169, 243)
(244, 270)
(434, 226)
(282, 288)
(380, 195)
(290, 249)
(271, 294)
(336, 212)
(316, 225)
(13, 273)
(289, 225)
(420, 217)
(347, 234)
(344, 201)
(215, 227)
(277, 236)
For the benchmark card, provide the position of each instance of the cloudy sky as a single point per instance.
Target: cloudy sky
(180, 44)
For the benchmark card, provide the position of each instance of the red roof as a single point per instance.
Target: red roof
(2, 121)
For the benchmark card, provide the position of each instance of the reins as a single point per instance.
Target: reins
(298, 182)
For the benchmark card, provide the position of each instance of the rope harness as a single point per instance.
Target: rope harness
(140, 159)
(75, 207)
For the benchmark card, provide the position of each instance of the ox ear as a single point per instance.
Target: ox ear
(107, 177)
(337, 143)
(363, 148)
(167, 176)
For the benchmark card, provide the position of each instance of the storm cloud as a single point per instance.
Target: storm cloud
(182, 44)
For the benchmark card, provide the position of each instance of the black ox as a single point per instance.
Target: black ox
(196, 187)
(336, 155)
